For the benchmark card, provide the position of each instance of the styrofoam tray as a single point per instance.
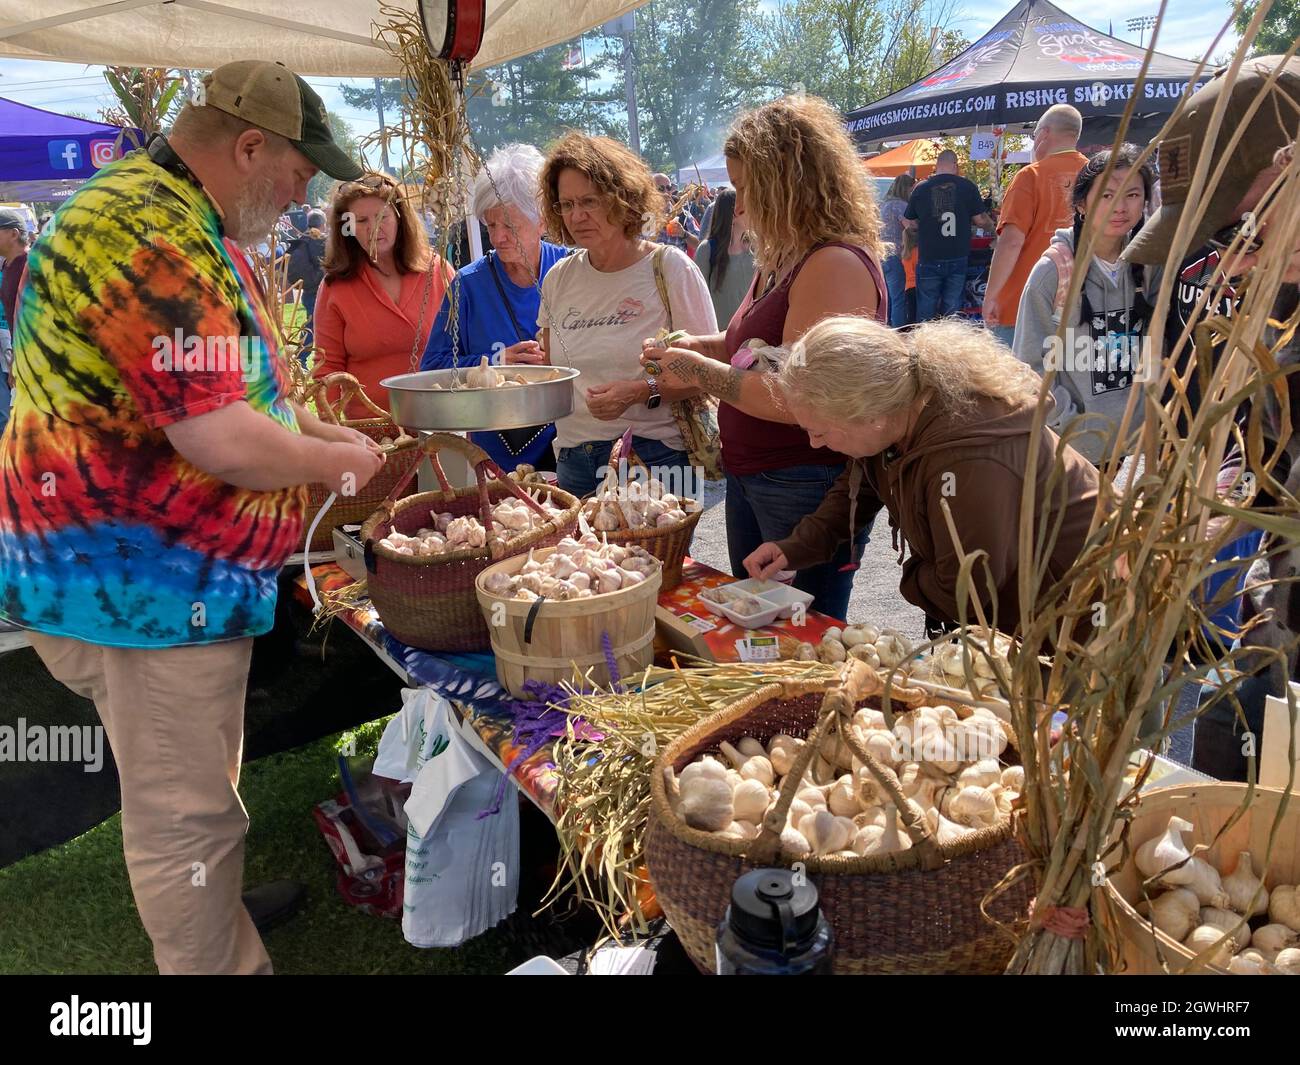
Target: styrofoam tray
(783, 598)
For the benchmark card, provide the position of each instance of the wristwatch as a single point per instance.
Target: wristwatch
(655, 398)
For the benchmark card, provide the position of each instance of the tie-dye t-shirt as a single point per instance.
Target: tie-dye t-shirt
(106, 533)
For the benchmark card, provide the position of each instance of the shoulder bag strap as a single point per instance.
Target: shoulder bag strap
(492, 269)
(657, 263)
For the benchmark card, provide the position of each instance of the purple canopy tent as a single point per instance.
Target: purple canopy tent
(45, 156)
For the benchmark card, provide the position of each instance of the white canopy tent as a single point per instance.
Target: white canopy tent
(331, 38)
(713, 170)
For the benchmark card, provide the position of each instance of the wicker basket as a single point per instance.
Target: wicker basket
(915, 911)
(431, 603)
(1148, 951)
(553, 641)
(669, 544)
(352, 510)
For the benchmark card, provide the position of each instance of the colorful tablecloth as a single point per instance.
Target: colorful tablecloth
(467, 681)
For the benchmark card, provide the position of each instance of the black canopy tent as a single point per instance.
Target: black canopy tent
(1035, 56)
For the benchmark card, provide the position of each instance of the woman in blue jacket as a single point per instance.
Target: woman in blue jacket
(498, 296)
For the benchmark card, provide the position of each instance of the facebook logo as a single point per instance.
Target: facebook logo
(65, 155)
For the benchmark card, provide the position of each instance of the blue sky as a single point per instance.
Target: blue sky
(1190, 28)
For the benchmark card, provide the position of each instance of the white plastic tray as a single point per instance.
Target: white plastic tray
(782, 597)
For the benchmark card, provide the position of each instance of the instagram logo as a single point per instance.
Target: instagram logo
(102, 152)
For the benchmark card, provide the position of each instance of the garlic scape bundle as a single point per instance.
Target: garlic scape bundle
(576, 569)
(511, 517)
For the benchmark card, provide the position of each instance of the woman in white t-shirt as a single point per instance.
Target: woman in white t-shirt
(600, 303)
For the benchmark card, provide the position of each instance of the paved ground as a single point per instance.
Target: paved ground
(875, 591)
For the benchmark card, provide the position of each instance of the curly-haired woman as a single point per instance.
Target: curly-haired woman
(600, 303)
(808, 203)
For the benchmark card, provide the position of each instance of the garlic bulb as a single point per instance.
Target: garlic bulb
(750, 800)
(1013, 777)
(909, 778)
(483, 376)
(1205, 936)
(739, 830)
(1175, 913)
(892, 648)
(797, 812)
(868, 719)
(825, 832)
(830, 652)
(705, 767)
(894, 838)
(975, 807)
(882, 746)
(945, 831)
(1250, 963)
(1273, 937)
(782, 751)
(813, 796)
(806, 653)
(1246, 892)
(865, 652)
(834, 633)
(1206, 884)
(1288, 961)
(873, 815)
(1167, 849)
(754, 768)
(854, 635)
(1230, 922)
(866, 839)
(748, 746)
(1284, 906)
(981, 774)
(706, 803)
(843, 799)
(793, 843)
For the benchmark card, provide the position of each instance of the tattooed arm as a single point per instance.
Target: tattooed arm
(751, 391)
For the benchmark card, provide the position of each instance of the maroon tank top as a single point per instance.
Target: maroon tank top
(755, 445)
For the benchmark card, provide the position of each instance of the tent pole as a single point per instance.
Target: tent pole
(283, 23)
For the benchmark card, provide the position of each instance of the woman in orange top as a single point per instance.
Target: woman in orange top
(383, 286)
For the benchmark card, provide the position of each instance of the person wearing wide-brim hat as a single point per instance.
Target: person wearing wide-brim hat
(152, 479)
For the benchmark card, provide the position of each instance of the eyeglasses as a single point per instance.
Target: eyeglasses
(587, 205)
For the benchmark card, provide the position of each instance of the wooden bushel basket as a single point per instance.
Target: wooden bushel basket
(403, 457)
(1146, 950)
(553, 641)
(915, 911)
(430, 602)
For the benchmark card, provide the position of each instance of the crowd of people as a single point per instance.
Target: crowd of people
(145, 513)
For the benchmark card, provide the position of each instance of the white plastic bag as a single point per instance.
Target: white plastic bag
(462, 873)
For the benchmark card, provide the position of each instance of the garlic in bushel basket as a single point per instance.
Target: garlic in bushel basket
(576, 570)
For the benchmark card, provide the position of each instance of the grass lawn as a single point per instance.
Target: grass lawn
(69, 909)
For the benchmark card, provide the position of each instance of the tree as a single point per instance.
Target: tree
(698, 62)
(1280, 27)
(852, 52)
(533, 99)
(321, 187)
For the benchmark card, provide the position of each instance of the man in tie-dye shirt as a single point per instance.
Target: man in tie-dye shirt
(152, 473)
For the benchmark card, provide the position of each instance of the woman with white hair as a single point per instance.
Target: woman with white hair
(498, 296)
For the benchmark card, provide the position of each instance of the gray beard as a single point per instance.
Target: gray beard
(254, 214)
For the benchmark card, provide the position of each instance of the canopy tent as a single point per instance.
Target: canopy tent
(917, 156)
(317, 37)
(1035, 56)
(713, 171)
(45, 156)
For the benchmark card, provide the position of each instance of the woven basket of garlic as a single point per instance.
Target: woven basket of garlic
(903, 818)
(1199, 882)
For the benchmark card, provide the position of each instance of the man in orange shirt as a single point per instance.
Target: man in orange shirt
(1036, 205)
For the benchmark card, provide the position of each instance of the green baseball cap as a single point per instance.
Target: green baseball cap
(1272, 126)
(274, 98)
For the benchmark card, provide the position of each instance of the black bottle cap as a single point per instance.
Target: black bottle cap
(770, 910)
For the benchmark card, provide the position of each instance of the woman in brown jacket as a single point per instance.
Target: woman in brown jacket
(943, 412)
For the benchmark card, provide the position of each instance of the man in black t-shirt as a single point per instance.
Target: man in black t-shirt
(941, 210)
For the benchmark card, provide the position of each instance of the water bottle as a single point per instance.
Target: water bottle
(774, 927)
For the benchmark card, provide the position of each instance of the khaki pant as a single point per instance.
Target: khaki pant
(175, 719)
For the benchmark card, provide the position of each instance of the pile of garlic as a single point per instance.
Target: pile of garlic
(1201, 905)
(484, 375)
(879, 648)
(576, 569)
(644, 505)
(510, 518)
(947, 766)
